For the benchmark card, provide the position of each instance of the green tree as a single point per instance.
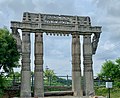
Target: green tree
(118, 63)
(111, 70)
(52, 79)
(49, 76)
(14, 76)
(49, 73)
(9, 56)
(3, 84)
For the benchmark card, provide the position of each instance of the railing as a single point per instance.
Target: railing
(55, 83)
(52, 81)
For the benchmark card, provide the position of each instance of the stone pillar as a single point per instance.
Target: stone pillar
(25, 70)
(88, 69)
(76, 70)
(39, 85)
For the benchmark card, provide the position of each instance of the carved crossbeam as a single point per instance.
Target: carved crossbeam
(66, 29)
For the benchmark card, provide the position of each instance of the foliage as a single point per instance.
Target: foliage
(55, 83)
(117, 84)
(13, 77)
(49, 73)
(102, 91)
(49, 76)
(64, 81)
(7, 81)
(3, 84)
(52, 79)
(9, 56)
(110, 70)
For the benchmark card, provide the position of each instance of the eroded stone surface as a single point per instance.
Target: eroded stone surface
(56, 25)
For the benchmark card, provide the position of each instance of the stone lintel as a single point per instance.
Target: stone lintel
(34, 27)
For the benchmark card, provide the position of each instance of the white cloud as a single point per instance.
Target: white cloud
(108, 45)
(54, 6)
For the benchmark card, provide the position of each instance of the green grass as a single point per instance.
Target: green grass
(102, 91)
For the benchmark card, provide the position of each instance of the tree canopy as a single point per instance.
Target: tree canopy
(110, 70)
(9, 56)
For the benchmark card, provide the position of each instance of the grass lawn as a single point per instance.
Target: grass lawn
(102, 91)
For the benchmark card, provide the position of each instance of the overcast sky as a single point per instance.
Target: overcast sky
(57, 50)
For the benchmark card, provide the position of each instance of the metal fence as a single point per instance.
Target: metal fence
(52, 81)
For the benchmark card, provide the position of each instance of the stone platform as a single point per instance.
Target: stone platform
(75, 97)
(63, 97)
(58, 93)
(61, 94)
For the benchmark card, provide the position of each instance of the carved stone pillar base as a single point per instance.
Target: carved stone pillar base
(76, 84)
(39, 88)
(25, 84)
(89, 86)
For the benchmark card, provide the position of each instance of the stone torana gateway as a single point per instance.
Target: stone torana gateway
(75, 26)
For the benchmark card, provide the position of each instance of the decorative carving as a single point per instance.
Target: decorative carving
(56, 24)
(95, 41)
(55, 19)
(16, 36)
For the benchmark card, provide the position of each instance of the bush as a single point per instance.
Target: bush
(117, 84)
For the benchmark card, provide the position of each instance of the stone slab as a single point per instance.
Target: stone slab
(54, 97)
(64, 97)
(58, 93)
